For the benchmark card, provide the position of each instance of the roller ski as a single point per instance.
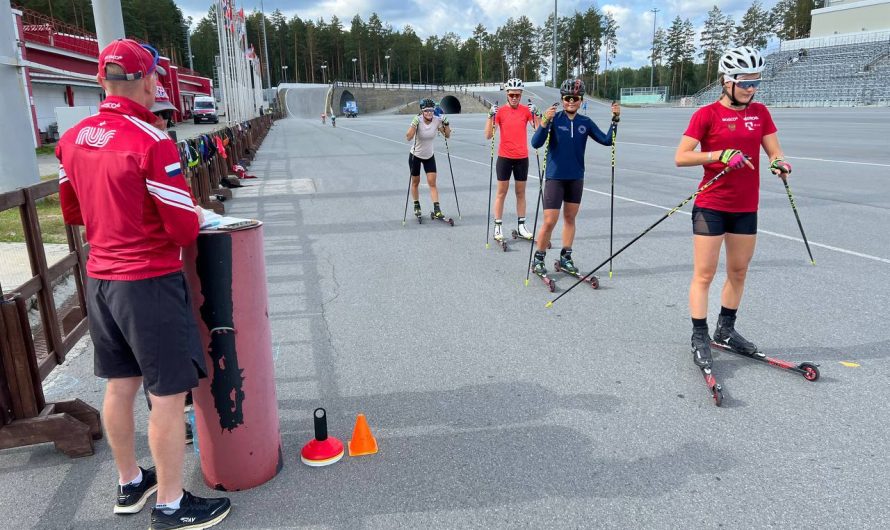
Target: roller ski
(499, 238)
(566, 265)
(517, 234)
(417, 213)
(727, 339)
(539, 270)
(701, 356)
(437, 215)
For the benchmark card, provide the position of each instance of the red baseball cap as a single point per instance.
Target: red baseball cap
(162, 100)
(136, 60)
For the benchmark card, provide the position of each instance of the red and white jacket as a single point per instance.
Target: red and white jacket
(121, 177)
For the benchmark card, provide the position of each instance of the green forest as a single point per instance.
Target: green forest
(357, 50)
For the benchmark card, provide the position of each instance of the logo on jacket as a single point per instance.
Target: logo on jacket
(94, 136)
(582, 129)
(730, 126)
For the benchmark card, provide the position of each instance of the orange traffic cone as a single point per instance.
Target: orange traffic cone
(363, 442)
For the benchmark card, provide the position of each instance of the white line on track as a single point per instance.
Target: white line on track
(644, 203)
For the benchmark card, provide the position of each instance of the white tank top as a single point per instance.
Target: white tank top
(424, 136)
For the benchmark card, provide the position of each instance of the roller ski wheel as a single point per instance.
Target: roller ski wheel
(713, 386)
(447, 220)
(592, 280)
(515, 234)
(501, 243)
(418, 215)
(809, 371)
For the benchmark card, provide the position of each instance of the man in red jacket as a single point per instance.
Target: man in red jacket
(121, 178)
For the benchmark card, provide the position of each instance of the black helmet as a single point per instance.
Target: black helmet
(427, 103)
(572, 87)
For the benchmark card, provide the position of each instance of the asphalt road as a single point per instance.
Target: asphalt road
(492, 411)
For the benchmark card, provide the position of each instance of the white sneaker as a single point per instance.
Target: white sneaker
(498, 232)
(523, 232)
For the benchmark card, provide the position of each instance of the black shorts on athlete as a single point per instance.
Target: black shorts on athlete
(708, 222)
(429, 164)
(146, 328)
(557, 192)
(518, 167)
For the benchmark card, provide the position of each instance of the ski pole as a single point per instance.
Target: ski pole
(453, 185)
(797, 216)
(542, 181)
(704, 186)
(612, 207)
(407, 193)
(490, 180)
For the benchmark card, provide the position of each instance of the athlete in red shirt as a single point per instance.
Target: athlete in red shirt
(121, 177)
(731, 132)
(513, 121)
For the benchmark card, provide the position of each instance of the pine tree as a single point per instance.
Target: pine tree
(754, 28)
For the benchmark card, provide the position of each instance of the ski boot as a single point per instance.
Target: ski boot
(523, 232)
(417, 213)
(437, 214)
(701, 348)
(540, 270)
(499, 234)
(726, 337)
(567, 265)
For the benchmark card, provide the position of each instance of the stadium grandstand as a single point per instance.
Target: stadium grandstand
(844, 63)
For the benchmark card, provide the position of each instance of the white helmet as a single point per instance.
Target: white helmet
(740, 61)
(514, 84)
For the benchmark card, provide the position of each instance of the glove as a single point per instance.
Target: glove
(444, 120)
(732, 158)
(780, 166)
(533, 109)
(415, 122)
(493, 110)
(615, 118)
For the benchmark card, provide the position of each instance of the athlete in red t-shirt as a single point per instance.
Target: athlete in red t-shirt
(730, 132)
(513, 121)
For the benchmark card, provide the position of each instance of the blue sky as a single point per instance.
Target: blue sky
(461, 16)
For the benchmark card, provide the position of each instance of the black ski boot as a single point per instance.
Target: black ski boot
(417, 212)
(701, 347)
(727, 337)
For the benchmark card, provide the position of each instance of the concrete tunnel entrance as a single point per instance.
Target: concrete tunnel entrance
(450, 105)
(344, 97)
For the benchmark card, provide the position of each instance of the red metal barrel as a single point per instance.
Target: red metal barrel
(236, 410)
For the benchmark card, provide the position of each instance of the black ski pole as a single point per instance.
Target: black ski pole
(407, 193)
(612, 207)
(453, 185)
(490, 179)
(704, 186)
(797, 216)
(542, 181)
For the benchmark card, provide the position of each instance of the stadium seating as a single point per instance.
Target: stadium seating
(832, 76)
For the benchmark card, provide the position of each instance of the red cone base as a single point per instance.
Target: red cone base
(322, 453)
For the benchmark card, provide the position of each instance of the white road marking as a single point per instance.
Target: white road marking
(635, 201)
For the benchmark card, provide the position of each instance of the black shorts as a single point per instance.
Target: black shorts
(557, 192)
(429, 165)
(146, 328)
(708, 222)
(518, 167)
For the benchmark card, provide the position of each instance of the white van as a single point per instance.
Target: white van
(204, 110)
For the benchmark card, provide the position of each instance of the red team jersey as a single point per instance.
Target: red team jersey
(716, 128)
(512, 124)
(121, 178)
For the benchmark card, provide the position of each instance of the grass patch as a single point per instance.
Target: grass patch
(46, 150)
(49, 212)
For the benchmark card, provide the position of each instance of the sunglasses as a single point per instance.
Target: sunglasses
(747, 83)
(571, 99)
(519, 95)
(427, 110)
